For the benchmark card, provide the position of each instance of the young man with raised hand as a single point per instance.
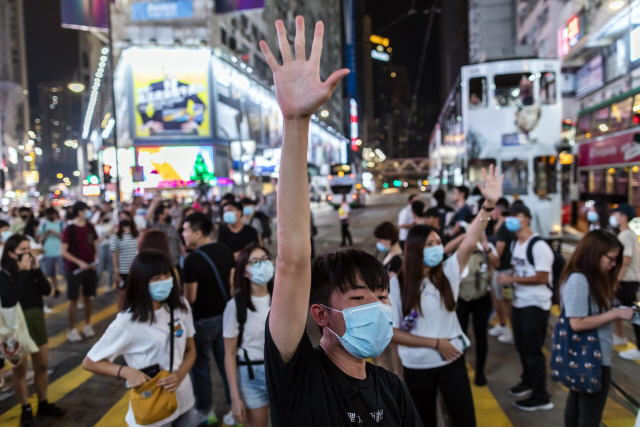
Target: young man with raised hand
(331, 385)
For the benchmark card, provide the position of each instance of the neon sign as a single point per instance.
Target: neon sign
(570, 34)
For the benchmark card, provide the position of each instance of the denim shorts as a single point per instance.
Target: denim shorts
(50, 264)
(254, 392)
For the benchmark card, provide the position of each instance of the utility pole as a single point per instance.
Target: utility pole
(112, 65)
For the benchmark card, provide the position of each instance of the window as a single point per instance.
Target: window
(597, 182)
(583, 126)
(546, 176)
(477, 92)
(599, 124)
(617, 182)
(516, 176)
(514, 90)
(232, 43)
(583, 184)
(475, 168)
(548, 88)
(620, 115)
(244, 22)
(223, 36)
(635, 186)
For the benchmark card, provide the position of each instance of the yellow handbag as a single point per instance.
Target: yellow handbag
(151, 403)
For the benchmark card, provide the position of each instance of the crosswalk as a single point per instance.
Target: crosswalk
(75, 380)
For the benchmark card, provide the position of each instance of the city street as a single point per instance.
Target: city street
(98, 401)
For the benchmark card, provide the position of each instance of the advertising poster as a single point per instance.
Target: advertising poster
(161, 10)
(227, 6)
(84, 14)
(175, 166)
(170, 93)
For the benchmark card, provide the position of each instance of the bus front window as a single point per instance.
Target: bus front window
(514, 90)
(516, 176)
(546, 177)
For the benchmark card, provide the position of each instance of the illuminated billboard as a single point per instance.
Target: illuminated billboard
(226, 6)
(170, 93)
(84, 14)
(181, 166)
(570, 34)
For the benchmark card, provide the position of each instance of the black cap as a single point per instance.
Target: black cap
(627, 210)
(78, 206)
(518, 208)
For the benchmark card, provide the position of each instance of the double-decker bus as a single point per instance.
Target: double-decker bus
(505, 113)
(607, 164)
(344, 180)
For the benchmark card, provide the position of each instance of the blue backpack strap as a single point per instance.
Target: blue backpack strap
(215, 271)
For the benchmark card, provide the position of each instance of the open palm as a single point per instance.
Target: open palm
(299, 90)
(492, 189)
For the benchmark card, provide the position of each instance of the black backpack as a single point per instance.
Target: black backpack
(264, 220)
(241, 317)
(556, 270)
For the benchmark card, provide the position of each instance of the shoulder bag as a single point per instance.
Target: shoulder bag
(151, 403)
(204, 255)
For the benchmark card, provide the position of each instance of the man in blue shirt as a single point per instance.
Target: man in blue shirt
(50, 234)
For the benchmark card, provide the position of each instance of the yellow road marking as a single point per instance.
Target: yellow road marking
(56, 391)
(488, 410)
(115, 416)
(103, 314)
(63, 307)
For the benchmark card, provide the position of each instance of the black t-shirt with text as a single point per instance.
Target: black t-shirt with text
(209, 299)
(504, 235)
(238, 241)
(306, 392)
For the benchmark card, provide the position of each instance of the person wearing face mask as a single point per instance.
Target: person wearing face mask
(124, 248)
(24, 215)
(236, 234)
(153, 310)
(332, 384)
(629, 275)
(162, 221)
(80, 252)
(598, 216)
(50, 234)
(21, 280)
(244, 320)
(388, 244)
(251, 217)
(430, 340)
(532, 281)
(5, 233)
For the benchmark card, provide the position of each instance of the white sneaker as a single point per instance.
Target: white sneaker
(633, 354)
(229, 420)
(498, 330)
(47, 310)
(507, 337)
(619, 340)
(73, 336)
(208, 419)
(80, 305)
(88, 331)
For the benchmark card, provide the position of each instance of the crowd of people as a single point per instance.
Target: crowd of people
(197, 281)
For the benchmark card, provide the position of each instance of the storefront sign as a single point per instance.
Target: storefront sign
(570, 34)
(590, 77)
(91, 190)
(176, 166)
(609, 151)
(161, 10)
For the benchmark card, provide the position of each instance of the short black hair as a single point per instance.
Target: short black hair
(439, 195)
(50, 211)
(248, 201)
(432, 213)
(464, 190)
(412, 196)
(200, 222)
(417, 208)
(387, 231)
(4, 223)
(159, 210)
(339, 272)
(502, 203)
(79, 206)
(229, 197)
(235, 204)
(24, 209)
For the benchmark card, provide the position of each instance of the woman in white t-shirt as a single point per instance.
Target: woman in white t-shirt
(244, 361)
(426, 328)
(141, 333)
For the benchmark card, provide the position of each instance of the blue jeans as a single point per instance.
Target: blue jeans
(208, 338)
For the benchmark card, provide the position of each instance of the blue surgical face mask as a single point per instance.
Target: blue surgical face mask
(6, 234)
(592, 216)
(433, 256)
(161, 289)
(381, 247)
(613, 221)
(369, 329)
(88, 214)
(247, 210)
(229, 217)
(262, 272)
(512, 223)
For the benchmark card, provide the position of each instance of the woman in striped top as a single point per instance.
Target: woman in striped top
(124, 248)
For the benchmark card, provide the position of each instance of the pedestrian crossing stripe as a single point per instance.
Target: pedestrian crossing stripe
(115, 416)
(63, 307)
(98, 317)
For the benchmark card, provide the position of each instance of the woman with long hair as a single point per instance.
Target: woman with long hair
(590, 280)
(141, 333)
(388, 243)
(21, 280)
(426, 327)
(154, 239)
(244, 361)
(598, 216)
(124, 248)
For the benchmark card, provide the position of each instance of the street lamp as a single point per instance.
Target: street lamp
(324, 113)
(76, 87)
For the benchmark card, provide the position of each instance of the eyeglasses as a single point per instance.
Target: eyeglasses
(611, 259)
(256, 261)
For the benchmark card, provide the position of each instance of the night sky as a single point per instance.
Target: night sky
(52, 51)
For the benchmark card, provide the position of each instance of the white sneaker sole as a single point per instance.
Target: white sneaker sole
(525, 393)
(633, 358)
(546, 407)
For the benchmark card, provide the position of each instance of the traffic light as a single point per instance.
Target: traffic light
(106, 173)
(93, 172)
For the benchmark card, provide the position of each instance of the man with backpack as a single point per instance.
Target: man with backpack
(80, 251)
(532, 260)
(208, 273)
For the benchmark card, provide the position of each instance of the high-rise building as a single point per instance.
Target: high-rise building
(14, 107)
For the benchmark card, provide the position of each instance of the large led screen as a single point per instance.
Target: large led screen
(84, 14)
(226, 6)
(175, 166)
